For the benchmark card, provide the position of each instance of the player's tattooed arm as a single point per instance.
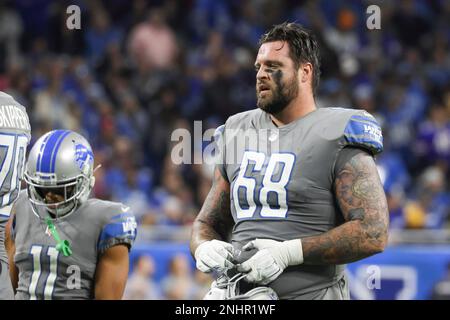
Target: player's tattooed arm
(214, 220)
(361, 197)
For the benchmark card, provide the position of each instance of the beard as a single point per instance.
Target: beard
(282, 95)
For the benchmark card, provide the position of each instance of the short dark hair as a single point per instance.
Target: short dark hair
(303, 46)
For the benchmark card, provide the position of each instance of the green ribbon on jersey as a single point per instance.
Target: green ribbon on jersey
(62, 246)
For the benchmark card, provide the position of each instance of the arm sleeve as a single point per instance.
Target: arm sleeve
(120, 229)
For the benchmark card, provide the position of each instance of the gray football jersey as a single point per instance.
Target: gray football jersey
(45, 273)
(281, 181)
(15, 134)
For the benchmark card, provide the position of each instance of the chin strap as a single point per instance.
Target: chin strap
(62, 246)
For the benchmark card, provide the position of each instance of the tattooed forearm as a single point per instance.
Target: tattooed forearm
(362, 201)
(214, 220)
(212, 223)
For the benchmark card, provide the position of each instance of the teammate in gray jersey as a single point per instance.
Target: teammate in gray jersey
(64, 245)
(291, 207)
(14, 139)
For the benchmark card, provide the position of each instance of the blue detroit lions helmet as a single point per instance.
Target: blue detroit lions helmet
(61, 162)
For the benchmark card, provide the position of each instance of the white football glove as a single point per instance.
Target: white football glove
(214, 255)
(271, 259)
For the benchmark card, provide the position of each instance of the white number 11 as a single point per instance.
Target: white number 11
(37, 270)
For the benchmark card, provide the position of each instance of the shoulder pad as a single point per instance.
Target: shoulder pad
(119, 229)
(362, 130)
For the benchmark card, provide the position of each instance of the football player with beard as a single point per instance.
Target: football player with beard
(306, 200)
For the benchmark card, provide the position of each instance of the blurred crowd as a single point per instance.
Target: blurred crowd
(137, 70)
(180, 282)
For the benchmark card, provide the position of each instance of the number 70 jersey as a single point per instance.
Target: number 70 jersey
(14, 138)
(15, 133)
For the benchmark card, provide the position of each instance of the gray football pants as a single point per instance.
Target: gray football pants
(339, 291)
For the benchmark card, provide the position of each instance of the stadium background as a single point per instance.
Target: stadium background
(137, 70)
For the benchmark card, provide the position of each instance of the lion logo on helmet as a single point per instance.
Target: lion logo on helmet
(83, 155)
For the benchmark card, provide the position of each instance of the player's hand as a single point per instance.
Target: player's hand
(214, 255)
(271, 259)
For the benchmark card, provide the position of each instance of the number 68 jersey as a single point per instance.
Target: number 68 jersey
(44, 272)
(282, 181)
